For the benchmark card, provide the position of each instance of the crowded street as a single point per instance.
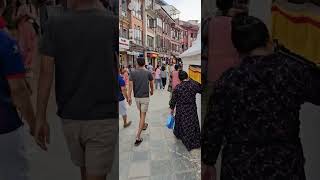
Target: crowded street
(161, 156)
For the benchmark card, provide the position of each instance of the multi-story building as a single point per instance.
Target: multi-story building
(151, 24)
(163, 33)
(136, 31)
(149, 28)
(191, 32)
(124, 26)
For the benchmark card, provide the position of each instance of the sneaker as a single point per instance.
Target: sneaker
(138, 142)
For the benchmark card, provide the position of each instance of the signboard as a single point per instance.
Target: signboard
(123, 44)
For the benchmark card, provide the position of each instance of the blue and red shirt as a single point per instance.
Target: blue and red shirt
(122, 83)
(11, 67)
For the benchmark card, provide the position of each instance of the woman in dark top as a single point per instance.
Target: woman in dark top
(253, 113)
(183, 99)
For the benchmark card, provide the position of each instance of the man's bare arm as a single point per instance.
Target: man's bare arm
(130, 89)
(44, 89)
(124, 92)
(151, 86)
(21, 99)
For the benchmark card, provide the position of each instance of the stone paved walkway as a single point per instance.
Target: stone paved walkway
(160, 156)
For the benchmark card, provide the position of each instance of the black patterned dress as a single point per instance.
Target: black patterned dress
(187, 126)
(253, 116)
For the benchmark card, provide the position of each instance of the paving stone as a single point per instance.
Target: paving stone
(188, 176)
(139, 169)
(161, 167)
(140, 156)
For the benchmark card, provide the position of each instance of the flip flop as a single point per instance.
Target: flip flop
(138, 142)
(145, 127)
(127, 124)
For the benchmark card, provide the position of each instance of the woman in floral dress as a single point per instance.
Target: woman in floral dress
(253, 114)
(187, 126)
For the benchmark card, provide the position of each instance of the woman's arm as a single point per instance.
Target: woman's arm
(214, 124)
(311, 79)
(173, 100)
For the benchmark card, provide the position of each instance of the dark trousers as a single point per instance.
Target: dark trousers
(164, 82)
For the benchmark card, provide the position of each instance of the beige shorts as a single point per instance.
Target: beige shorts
(92, 144)
(142, 104)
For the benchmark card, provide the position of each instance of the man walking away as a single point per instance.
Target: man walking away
(81, 47)
(122, 103)
(141, 81)
(14, 95)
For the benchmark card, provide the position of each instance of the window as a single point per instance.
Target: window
(137, 10)
(138, 35)
(150, 42)
(148, 21)
(124, 7)
(125, 33)
(159, 22)
(158, 41)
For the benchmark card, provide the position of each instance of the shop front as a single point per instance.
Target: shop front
(124, 46)
(135, 52)
(152, 58)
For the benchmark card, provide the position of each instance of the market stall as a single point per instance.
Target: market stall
(297, 27)
(191, 59)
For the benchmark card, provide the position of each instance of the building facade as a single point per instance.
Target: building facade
(150, 29)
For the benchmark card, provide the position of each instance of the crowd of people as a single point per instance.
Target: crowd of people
(144, 79)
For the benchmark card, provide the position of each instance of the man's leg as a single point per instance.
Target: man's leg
(141, 123)
(144, 103)
(71, 129)
(100, 138)
(123, 113)
(161, 84)
(125, 119)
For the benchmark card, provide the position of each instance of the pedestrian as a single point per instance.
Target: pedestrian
(125, 75)
(84, 60)
(175, 77)
(130, 68)
(14, 97)
(158, 80)
(183, 102)
(164, 76)
(150, 68)
(123, 96)
(26, 18)
(141, 82)
(221, 54)
(253, 114)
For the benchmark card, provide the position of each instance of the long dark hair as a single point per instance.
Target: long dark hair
(224, 6)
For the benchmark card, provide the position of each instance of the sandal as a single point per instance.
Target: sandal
(138, 142)
(145, 126)
(127, 124)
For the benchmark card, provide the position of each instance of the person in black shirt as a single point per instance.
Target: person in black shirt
(81, 47)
